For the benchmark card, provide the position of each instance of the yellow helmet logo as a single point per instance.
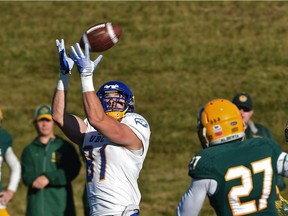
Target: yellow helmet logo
(243, 98)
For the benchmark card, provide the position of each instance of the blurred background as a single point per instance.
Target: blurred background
(175, 56)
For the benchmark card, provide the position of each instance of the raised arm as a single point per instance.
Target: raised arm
(73, 126)
(111, 128)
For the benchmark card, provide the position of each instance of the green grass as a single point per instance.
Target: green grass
(175, 56)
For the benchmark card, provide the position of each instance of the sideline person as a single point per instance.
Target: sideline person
(236, 180)
(245, 104)
(49, 165)
(114, 139)
(7, 154)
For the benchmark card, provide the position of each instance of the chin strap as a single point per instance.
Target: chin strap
(118, 115)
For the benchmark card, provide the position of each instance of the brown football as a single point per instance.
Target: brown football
(101, 37)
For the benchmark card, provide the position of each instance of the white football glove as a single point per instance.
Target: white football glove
(66, 63)
(85, 66)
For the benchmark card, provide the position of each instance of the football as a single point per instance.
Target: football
(101, 37)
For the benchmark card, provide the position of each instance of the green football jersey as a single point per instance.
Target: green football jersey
(5, 142)
(246, 174)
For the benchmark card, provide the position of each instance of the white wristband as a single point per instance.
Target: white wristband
(63, 82)
(87, 83)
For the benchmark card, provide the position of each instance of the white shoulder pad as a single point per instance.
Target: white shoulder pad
(140, 127)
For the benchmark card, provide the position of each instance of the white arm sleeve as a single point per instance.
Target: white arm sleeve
(15, 169)
(192, 201)
(282, 164)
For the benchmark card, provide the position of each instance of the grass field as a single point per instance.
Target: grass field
(175, 56)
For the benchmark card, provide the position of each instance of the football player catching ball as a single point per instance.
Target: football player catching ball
(114, 139)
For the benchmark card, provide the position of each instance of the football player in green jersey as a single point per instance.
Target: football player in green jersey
(7, 155)
(236, 180)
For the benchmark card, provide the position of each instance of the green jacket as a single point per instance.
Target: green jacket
(257, 130)
(59, 162)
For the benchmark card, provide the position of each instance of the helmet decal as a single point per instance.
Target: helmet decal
(217, 130)
(111, 87)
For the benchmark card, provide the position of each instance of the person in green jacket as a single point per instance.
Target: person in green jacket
(49, 164)
(253, 130)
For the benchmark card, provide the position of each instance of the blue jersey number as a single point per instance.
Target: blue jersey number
(89, 158)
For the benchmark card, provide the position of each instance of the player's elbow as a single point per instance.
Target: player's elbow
(96, 120)
(57, 117)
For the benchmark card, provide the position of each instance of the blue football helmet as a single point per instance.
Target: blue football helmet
(124, 91)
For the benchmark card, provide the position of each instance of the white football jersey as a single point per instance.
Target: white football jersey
(112, 170)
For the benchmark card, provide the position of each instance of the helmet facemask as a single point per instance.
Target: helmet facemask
(116, 99)
(201, 130)
(115, 106)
